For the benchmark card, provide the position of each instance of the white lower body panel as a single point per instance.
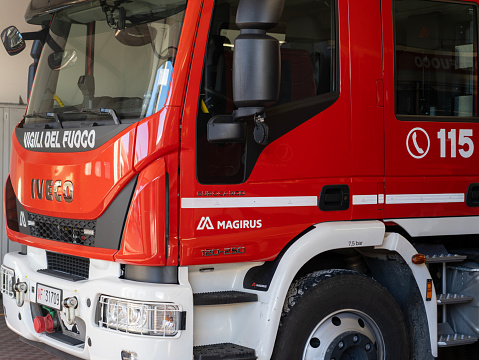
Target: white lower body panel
(101, 343)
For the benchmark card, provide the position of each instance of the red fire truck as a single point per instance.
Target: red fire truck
(244, 179)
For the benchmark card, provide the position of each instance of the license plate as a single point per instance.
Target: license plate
(49, 296)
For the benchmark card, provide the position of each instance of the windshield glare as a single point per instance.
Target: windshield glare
(107, 56)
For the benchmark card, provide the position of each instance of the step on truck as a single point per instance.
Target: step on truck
(244, 179)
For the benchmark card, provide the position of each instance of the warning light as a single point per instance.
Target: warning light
(419, 259)
(429, 290)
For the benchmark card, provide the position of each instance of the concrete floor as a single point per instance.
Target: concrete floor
(11, 348)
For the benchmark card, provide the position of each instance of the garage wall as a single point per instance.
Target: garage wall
(10, 115)
(13, 94)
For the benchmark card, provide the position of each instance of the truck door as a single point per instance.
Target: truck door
(243, 200)
(431, 130)
(367, 108)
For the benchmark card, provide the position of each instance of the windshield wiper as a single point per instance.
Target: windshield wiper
(46, 115)
(101, 111)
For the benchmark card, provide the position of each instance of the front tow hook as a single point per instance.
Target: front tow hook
(20, 289)
(70, 304)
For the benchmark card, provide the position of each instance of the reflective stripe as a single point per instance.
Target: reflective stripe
(381, 198)
(302, 201)
(248, 202)
(408, 199)
(365, 199)
(424, 198)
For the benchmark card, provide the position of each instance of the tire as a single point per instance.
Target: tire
(340, 315)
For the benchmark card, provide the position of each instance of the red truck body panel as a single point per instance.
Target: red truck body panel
(357, 141)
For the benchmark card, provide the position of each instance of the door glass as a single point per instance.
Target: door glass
(436, 59)
(307, 36)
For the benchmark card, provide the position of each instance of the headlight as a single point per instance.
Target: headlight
(145, 318)
(7, 278)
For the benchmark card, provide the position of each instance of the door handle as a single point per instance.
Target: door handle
(472, 197)
(334, 198)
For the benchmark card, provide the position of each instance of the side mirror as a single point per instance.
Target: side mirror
(62, 59)
(256, 57)
(256, 72)
(13, 40)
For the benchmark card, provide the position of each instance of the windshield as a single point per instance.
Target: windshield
(106, 62)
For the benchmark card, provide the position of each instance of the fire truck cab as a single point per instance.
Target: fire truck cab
(241, 179)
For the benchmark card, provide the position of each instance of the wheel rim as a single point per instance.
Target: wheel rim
(345, 335)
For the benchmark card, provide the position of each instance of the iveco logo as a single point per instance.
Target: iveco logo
(52, 190)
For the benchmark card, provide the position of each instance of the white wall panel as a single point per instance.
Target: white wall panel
(10, 116)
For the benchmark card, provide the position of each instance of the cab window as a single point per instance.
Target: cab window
(436, 60)
(307, 36)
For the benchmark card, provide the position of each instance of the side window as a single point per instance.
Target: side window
(307, 36)
(436, 59)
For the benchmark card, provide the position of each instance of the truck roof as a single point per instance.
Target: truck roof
(39, 10)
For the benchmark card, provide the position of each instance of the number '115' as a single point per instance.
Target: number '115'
(463, 140)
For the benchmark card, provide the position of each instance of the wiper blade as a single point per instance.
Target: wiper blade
(101, 111)
(45, 115)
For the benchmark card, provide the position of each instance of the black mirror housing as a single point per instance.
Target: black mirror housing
(12, 40)
(254, 14)
(257, 57)
(256, 70)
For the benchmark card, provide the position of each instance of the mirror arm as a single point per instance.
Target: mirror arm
(223, 129)
(36, 35)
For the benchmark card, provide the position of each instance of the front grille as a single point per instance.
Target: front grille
(76, 267)
(81, 232)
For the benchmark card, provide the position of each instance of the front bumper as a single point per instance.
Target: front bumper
(99, 343)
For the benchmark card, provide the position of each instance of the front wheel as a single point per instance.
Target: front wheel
(340, 315)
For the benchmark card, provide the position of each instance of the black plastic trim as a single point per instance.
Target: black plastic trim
(334, 198)
(223, 129)
(65, 339)
(259, 277)
(182, 321)
(61, 275)
(223, 297)
(151, 274)
(110, 225)
(72, 268)
(472, 196)
(225, 351)
(49, 349)
(10, 206)
(24, 250)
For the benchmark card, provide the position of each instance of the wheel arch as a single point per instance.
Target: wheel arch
(397, 273)
(367, 238)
